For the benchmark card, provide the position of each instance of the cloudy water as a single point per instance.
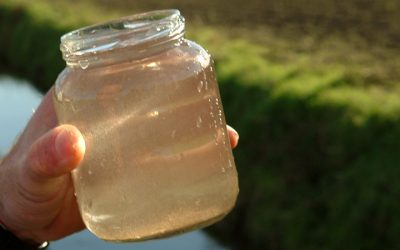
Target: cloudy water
(18, 100)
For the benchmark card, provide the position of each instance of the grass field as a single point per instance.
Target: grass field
(279, 36)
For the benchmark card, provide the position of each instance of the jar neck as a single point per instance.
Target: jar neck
(128, 38)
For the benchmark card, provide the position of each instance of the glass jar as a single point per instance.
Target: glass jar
(158, 159)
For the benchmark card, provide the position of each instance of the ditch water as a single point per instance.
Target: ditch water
(18, 100)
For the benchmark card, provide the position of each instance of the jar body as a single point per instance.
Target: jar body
(158, 159)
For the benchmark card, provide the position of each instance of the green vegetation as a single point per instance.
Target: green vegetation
(316, 104)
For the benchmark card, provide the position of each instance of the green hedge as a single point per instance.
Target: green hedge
(318, 157)
(318, 168)
(29, 47)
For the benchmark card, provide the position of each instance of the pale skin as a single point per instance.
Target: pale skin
(37, 201)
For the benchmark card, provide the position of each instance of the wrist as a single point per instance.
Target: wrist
(11, 241)
(11, 236)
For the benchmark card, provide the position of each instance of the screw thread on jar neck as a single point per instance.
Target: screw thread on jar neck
(140, 35)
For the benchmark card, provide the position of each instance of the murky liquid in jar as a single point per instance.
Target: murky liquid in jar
(158, 157)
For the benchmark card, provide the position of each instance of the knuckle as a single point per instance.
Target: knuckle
(41, 159)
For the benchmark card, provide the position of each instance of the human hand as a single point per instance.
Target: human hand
(37, 201)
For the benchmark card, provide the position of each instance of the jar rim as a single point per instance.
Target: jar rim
(133, 30)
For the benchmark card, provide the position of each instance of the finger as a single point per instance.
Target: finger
(53, 155)
(233, 136)
(67, 221)
(43, 119)
(56, 153)
(41, 180)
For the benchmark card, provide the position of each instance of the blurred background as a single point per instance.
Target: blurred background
(312, 86)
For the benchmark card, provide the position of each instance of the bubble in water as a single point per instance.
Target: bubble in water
(94, 51)
(179, 42)
(211, 114)
(203, 60)
(89, 203)
(74, 109)
(173, 134)
(90, 172)
(84, 64)
(206, 86)
(66, 99)
(66, 48)
(153, 113)
(153, 65)
(124, 198)
(230, 163)
(60, 96)
(200, 86)
(199, 121)
(216, 138)
(223, 138)
(181, 156)
(223, 170)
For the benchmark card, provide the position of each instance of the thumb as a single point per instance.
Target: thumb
(38, 185)
(53, 155)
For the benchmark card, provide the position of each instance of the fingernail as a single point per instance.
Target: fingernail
(68, 144)
(64, 144)
(235, 133)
